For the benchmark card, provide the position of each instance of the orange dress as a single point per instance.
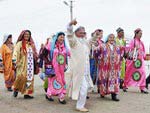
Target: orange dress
(9, 75)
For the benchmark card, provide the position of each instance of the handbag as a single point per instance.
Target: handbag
(47, 64)
(49, 70)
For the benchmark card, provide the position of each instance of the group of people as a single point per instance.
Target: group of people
(110, 65)
(18, 63)
(117, 65)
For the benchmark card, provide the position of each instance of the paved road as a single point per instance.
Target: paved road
(131, 102)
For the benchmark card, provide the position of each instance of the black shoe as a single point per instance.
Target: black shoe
(46, 97)
(146, 86)
(45, 89)
(28, 97)
(114, 97)
(9, 89)
(145, 92)
(49, 99)
(121, 87)
(98, 91)
(125, 90)
(87, 97)
(102, 96)
(15, 94)
(147, 81)
(62, 102)
(121, 84)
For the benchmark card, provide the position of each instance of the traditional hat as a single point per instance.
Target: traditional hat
(119, 30)
(137, 30)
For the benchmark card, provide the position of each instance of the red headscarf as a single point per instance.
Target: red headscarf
(31, 42)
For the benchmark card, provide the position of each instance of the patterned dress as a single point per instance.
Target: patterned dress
(121, 42)
(57, 84)
(109, 68)
(94, 61)
(135, 69)
(24, 69)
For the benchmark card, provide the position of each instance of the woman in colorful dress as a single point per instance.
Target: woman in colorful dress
(135, 68)
(26, 56)
(44, 60)
(109, 56)
(41, 66)
(96, 40)
(59, 52)
(7, 52)
(120, 41)
(40, 55)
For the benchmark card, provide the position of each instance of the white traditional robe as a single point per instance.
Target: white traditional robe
(78, 64)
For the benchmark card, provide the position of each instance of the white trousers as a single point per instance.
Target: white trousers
(82, 94)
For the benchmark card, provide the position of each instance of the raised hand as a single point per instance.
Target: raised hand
(73, 22)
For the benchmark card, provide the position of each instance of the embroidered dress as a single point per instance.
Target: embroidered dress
(109, 68)
(30, 67)
(121, 42)
(94, 61)
(135, 69)
(24, 69)
(57, 84)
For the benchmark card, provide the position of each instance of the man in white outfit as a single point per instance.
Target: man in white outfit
(79, 66)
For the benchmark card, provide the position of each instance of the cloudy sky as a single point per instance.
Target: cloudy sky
(44, 17)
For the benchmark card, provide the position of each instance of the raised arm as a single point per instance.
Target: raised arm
(70, 34)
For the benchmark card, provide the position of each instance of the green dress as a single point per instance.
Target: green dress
(121, 42)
